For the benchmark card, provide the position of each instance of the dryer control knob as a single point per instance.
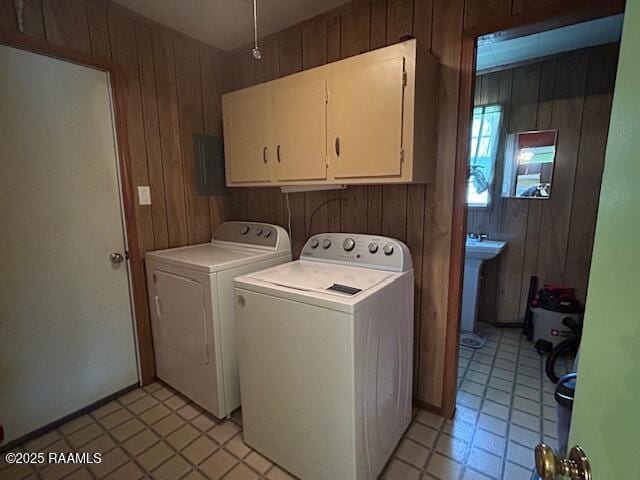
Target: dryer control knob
(314, 243)
(387, 249)
(326, 243)
(267, 233)
(373, 247)
(259, 232)
(244, 230)
(348, 244)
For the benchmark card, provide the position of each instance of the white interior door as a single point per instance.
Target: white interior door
(66, 329)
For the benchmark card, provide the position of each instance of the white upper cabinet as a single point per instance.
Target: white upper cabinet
(367, 119)
(299, 128)
(247, 136)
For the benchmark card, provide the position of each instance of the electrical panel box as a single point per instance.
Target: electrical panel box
(208, 155)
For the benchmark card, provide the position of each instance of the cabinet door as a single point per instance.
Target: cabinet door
(246, 118)
(299, 123)
(364, 118)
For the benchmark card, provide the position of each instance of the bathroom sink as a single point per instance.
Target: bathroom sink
(483, 250)
(476, 252)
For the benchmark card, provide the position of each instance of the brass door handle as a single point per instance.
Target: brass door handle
(278, 153)
(264, 154)
(549, 466)
(337, 146)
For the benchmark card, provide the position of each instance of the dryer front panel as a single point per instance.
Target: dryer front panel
(182, 337)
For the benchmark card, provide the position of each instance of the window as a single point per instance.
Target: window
(485, 135)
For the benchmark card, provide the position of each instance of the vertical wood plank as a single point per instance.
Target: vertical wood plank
(422, 21)
(66, 23)
(479, 11)
(210, 69)
(399, 20)
(33, 22)
(593, 142)
(152, 136)
(446, 45)
(98, 28)
(169, 124)
(567, 119)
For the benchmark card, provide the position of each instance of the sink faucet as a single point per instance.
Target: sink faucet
(478, 236)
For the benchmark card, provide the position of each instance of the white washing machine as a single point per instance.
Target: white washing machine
(325, 348)
(191, 300)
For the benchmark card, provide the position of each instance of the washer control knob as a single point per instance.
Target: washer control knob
(348, 244)
(326, 243)
(267, 233)
(314, 243)
(259, 232)
(244, 230)
(388, 249)
(373, 247)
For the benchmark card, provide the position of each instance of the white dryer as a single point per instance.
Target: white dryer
(191, 300)
(325, 349)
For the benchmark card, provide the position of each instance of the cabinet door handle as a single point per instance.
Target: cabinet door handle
(264, 154)
(278, 153)
(338, 146)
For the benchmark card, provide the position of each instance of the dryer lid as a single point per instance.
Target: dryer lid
(336, 280)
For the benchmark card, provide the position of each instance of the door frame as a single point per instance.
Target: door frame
(143, 339)
(556, 15)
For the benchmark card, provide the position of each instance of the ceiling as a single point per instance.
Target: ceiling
(493, 55)
(227, 24)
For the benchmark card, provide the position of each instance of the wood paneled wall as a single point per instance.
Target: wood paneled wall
(173, 86)
(420, 215)
(553, 238)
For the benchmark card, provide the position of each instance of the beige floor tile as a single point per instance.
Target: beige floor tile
(527, 392)
(132, 396)
(532, 422)
(101, 445)
(500, 384)
(521, 455)
(176, 402)
(258, 462)
(152, 387)
(143, 404)
(242, 472)
(466, 414)
(80, 474)
(156, 455)
(174, 468)
(110, 462)
(473, 475)
(194, 475)
(499, 396)
(477, 377)
(493, 424)
(237, 446)
(399, 471)
(412, 453)
(489, 442)
(430, 419)
(277, 473)
(516, 472)
(224, 432)
(495, 409)
(127, 429)
(472, 387)
(15, 472)
(128, 471)
(443, 467)
(504, 374)
(203, 422)
(523, 436)
(452, 447)
(182, 437)
(218, 464)
(42, 441)
(485, 462)
(468, 400)
(162, 393)
(422, 434)
(200, 449)
(75, 424)
(168, 424)
(115, 418)
(56, 471)
(189, 411)
(84, 435)
(140, 442)
(154, 414)
(460, 430)
(106, 409)
(479, 367)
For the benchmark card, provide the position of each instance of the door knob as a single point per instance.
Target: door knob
(550, 467)
(116, 257)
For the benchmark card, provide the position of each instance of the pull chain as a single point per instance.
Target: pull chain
(256, 51)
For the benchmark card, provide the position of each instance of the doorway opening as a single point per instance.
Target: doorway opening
(537, 140)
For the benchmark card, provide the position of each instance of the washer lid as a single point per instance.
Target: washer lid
(336, 280)
(209, 257)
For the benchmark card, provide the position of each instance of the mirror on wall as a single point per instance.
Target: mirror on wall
(528, 164)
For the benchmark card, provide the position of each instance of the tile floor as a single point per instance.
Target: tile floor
(505, 407)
